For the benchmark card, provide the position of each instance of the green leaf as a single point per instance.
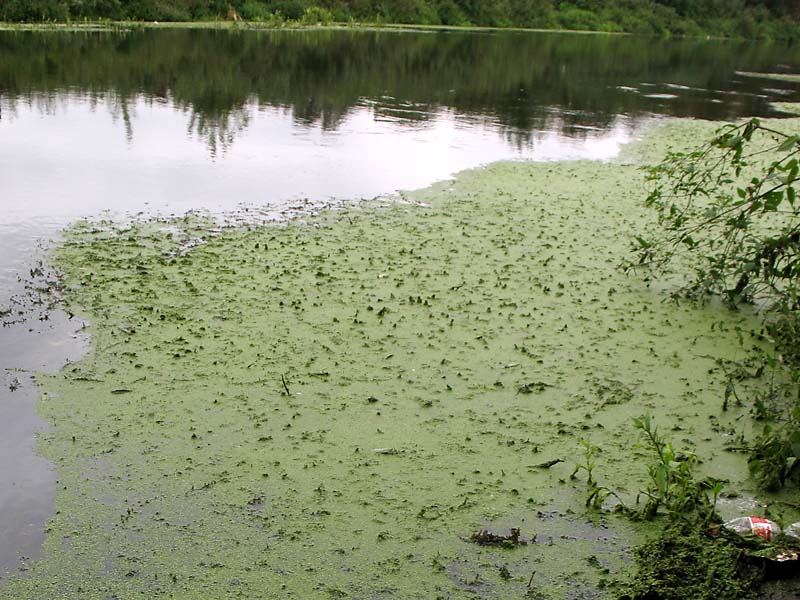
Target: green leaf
(788, 143)
(732, 141)
(772, 201)
(660, 478)
(793, 171)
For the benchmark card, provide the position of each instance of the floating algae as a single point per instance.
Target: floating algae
(263, 368)
(791, 108)
(790, 77)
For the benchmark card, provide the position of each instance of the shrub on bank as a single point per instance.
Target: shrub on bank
(316, 15)
(661, 17)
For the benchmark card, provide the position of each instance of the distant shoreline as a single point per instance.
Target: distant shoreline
(227, 25)
(102, 25)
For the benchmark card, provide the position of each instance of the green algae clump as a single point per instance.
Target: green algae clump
(684, 561)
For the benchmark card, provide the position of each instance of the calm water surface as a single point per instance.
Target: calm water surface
(162, 122)
(168, 121)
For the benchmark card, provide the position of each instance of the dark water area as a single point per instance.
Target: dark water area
(166, 121)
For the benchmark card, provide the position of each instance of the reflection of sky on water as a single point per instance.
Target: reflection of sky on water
(80, 159)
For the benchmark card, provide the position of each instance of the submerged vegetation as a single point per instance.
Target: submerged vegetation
(734, 18)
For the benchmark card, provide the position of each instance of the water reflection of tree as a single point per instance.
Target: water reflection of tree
(120, 107)
(321, 76)
(42, 102)
(217, 129)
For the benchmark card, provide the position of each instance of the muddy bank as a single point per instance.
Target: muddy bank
(334, 406)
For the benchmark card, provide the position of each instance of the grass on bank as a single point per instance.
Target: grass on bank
(642, 17)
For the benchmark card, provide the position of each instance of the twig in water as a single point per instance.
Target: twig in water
(530, 581)
(285, 386)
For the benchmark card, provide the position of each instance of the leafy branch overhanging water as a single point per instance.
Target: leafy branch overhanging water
(728, 213)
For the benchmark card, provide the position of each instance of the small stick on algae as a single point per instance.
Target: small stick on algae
(286, 387)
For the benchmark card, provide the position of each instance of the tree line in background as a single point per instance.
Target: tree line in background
(776, 19)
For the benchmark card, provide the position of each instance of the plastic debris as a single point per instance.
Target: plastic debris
(774, 558)
(763, 528)
(793, 531)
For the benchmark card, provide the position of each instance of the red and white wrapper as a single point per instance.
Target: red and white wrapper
(763, 528)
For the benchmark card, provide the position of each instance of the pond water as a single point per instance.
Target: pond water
(167, 121)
